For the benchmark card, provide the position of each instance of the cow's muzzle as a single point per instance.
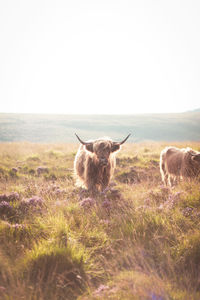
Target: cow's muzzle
(103, 162)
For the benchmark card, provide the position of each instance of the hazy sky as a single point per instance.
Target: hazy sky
(104, 56)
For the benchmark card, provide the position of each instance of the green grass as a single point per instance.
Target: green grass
(41, 128)
(139, 241)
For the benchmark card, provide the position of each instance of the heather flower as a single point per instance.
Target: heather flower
(106, 204)
(156, 297)
(35, 201)
(87, 202)
(172, 200)
(83, 193)
(5, 208)
(59, 191)
(11, 197)
(14, 170)
(187, 211)
(4, 197)
(196, 213)
(55, 189)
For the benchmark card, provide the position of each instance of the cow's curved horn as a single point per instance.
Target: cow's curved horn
(88, 145)
(82, 142)
(125, 139)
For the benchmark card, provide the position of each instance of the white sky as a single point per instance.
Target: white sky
(104, 56)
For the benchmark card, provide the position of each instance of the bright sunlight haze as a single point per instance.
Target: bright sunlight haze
(88, 57)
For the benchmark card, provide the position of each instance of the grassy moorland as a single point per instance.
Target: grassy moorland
(137, 241)
(44, 128)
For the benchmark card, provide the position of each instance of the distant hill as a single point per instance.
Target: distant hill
(61, 128)
(194, 110)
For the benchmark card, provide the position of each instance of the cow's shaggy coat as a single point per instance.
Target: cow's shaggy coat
(177, 163)
(95, 162)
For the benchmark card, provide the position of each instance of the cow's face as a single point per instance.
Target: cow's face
(102, 151)
(102, 148)
(196, 159)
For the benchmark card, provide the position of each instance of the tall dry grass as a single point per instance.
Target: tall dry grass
(139, 240)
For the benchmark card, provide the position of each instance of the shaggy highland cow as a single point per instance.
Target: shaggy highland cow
(95, 163)
(178, 163)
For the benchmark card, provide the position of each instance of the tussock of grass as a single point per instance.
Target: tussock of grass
(55, 268)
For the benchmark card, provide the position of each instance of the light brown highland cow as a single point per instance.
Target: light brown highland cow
(95, 162)
(177, 163)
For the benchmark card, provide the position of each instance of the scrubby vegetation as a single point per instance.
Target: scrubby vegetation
(137, 240)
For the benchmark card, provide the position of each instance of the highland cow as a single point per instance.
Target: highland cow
(95, 162)
(177, 163)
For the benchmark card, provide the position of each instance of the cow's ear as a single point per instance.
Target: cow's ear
(115, 147)
(89, 147)
(196, 157)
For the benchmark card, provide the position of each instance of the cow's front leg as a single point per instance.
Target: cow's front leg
(92, 184)
(93, 189)
(105, 179)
